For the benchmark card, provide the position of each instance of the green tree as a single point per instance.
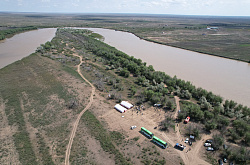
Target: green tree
(196, 133)
(155, 98)
(151, 68)
(208, 115)
(210, 125)
(164, 100)
(170, 105)
(241, 127)
(124, 73)
(48, 45)
(218, 140)
(217, 110)
(204, 103)
(168, 122)
(133, 90)
(182, 115)
(247, 138)
(187, 94)
(171, 89)
(234, 135)
(148, 94)
(222, 122)
(242, 155)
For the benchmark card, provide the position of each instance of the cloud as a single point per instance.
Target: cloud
(164, 3)
(75, 4)
(19, 2)
(197, 7)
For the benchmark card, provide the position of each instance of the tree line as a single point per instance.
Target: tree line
(146, 75)
(12, 31)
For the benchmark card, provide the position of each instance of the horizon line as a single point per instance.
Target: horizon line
(44, 12)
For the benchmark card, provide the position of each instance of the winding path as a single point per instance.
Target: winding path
(72, 135)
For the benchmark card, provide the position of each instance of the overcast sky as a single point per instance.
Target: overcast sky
(180, 7)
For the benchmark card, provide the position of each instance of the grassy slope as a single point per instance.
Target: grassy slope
(27, 87)
(13, 82)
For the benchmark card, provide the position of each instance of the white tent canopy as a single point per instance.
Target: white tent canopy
(126, 104)
(120, 108)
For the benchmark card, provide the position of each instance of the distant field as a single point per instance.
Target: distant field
(230, 39)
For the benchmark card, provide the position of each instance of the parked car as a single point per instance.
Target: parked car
(186, 141)
(220, 162)
(225, 146)
(209, 141)
(187, 120)
(190, 143)
(133, 127)
(207, 144)
(210, 149)
(224, 160)
(180, 146)
(157, 105)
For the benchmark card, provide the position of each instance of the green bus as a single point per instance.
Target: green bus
(147, 132)
(159, 142)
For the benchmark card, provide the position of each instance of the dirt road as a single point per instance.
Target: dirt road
(72, 135)
(192, 156)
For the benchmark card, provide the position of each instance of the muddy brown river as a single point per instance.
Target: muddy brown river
(23, 44)
(225, 77)
(228, 78)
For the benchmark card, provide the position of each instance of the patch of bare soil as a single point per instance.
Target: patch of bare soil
(8, 151)
(121, 122)
(149, 119)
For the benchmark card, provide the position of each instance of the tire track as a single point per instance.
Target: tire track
(72, 135)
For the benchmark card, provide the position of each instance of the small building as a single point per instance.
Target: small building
(126, 104)
(120, 108)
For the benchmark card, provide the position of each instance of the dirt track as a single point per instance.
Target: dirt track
(72, 135)
(192, 156)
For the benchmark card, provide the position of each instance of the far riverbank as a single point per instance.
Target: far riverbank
(23, 44)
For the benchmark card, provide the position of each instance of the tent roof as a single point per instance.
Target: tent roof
(126, 104)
